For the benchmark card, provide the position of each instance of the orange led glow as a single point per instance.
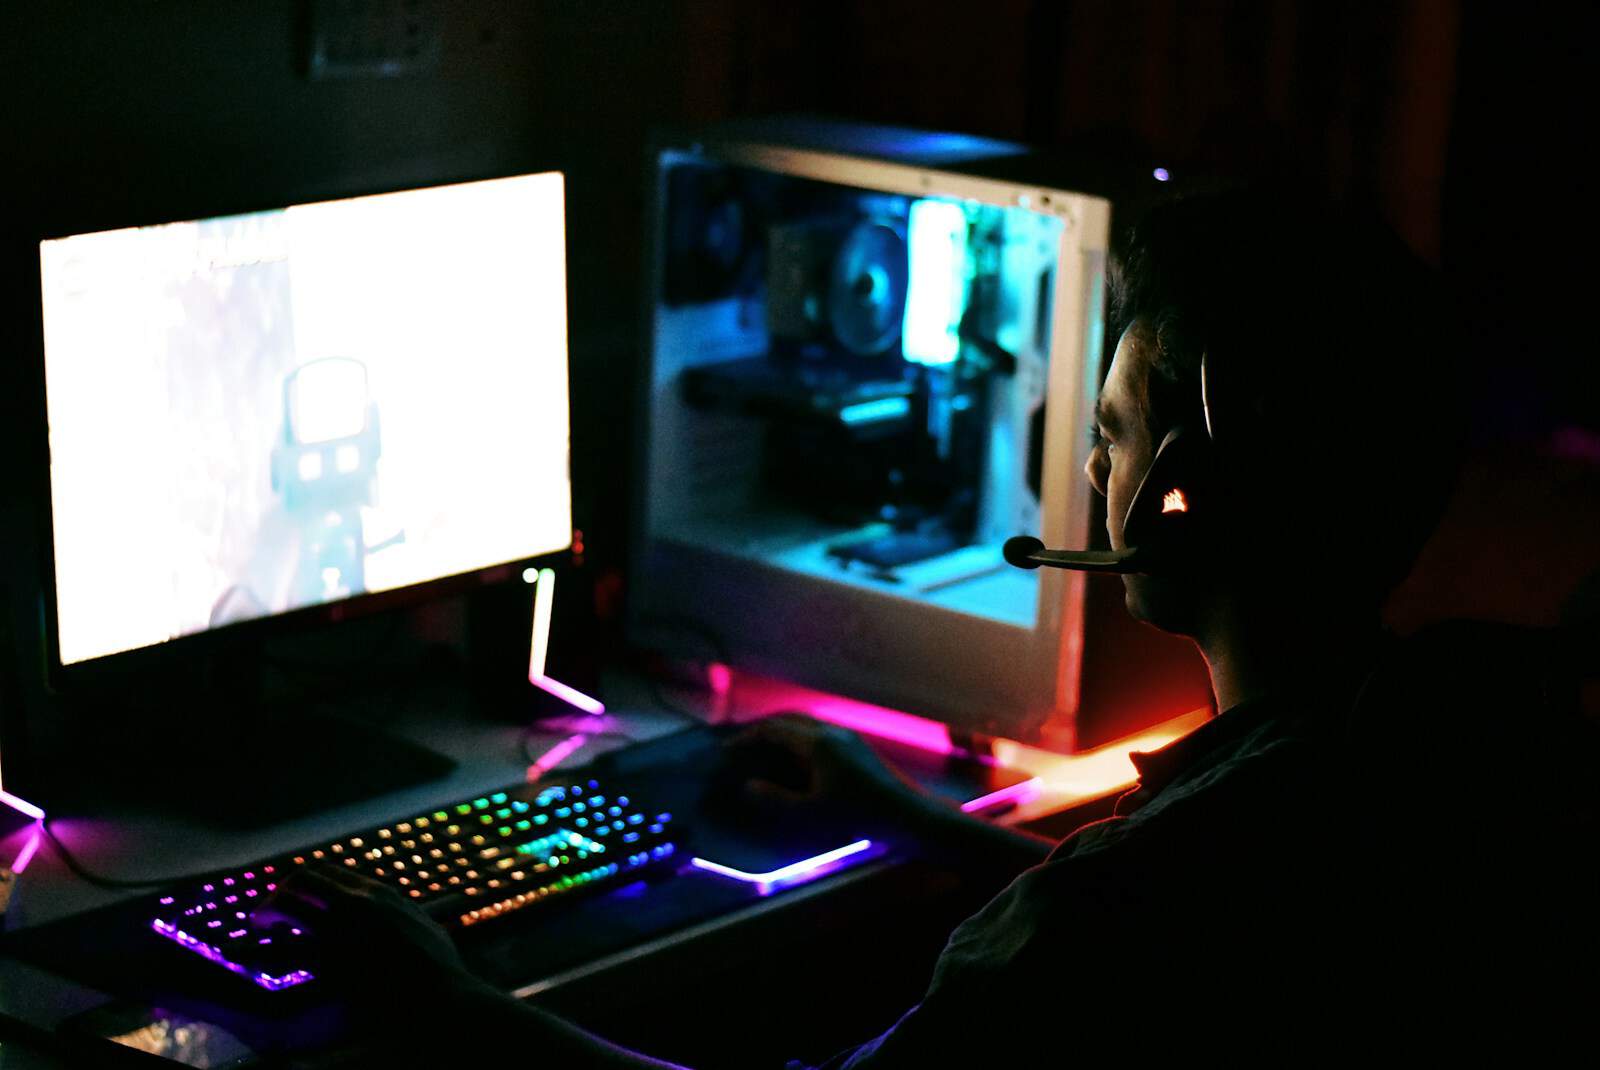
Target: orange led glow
(1174, 502)
(1069, 779)
(1064, 780)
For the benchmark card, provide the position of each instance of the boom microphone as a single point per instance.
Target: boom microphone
(1025, 551)
(1161, 523)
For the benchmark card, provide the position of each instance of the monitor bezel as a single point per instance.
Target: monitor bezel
(178, 654)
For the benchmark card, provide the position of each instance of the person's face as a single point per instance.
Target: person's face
(1123, 448)
(1122, 454)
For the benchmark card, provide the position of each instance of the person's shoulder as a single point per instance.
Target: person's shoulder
(1272, 772)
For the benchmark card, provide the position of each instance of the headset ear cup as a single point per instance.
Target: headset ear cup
(1174, 498)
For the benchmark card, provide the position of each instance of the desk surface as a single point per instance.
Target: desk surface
(488, 756)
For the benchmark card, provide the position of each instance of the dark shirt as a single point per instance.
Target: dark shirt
(1215, 863)
(1408, 871)
(1282, 882)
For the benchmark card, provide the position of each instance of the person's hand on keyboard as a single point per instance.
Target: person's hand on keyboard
(795, 762)
(384, 950)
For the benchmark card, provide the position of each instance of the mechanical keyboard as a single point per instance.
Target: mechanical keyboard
(465, 864)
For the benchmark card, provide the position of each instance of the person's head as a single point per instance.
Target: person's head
(1330, 374)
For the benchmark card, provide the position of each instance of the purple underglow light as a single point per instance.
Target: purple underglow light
(1161, 174)
(794, 873)
(25, 856)
(21, 806)
(570, 695)
(1015, 793)
(205, 950)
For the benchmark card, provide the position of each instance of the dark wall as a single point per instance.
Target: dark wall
(146, 111)
(1463, 124)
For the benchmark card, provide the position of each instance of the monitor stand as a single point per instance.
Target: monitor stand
(229, 753)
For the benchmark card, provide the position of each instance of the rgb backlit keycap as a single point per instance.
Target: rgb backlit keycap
(546, 855)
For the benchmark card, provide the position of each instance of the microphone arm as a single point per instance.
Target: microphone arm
(1025, 551)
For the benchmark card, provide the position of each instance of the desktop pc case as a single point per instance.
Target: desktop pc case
(871, 359)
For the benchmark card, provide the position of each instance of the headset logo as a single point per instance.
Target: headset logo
(1174, 502)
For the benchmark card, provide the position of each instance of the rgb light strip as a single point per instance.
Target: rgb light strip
(794, 873)
(21, 806)
(36, 814)
(544, 593)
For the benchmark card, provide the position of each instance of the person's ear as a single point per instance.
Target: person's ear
(1174, 502)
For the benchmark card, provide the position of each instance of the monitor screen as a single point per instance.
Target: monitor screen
(252, 414)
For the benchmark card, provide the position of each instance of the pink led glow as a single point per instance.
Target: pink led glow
(25, 856)
(570, 695)
(904, 728)
(1015, 793)
(719, 677)
(555, 756)
(21, 806)
(794, 873)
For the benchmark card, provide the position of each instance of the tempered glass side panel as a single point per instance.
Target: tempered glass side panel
(850, 384)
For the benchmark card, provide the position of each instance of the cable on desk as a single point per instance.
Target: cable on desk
(83, 873)
(671, 707)
(692, 626)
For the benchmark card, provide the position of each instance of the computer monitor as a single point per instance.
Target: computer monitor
(263, 427)
(872, 359)
(269, 417)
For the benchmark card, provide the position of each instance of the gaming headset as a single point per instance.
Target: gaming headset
(1164, 520)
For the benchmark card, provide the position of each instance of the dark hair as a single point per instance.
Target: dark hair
(1332, 367)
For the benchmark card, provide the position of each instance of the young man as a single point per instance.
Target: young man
(1303, 355)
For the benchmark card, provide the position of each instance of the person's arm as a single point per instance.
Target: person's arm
(390, 960)
(823, 767)
(959, 837)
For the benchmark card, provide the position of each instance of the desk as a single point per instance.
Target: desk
(698, 920)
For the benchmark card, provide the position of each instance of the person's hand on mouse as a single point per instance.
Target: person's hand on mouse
(388, 955)
(798, 763)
